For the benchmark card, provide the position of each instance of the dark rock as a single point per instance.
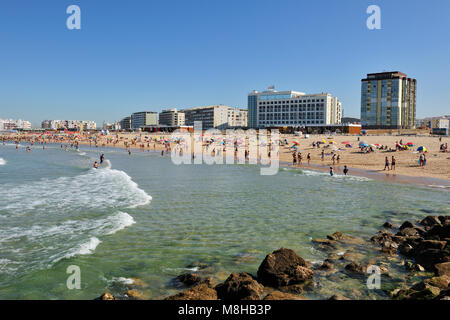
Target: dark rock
(338, 297)
(355, 268)
(430, 257)
(406, 224)
(389, 225)
(106, 296)
(428, 293)
(444, 295)
(240, 286)
(189, 279)
(283, 267)
(408, 232)
(445, 220)
(382, 237)
(438, 231)
(430, 221)
(278, 295)
(201, 291)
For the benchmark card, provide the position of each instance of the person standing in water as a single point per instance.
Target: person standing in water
(345, 170)
(331, 171)
(386, 164)
(102, 157)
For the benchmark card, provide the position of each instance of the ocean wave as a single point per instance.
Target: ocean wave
(97, 227)
(83, 249)
(2, 162)
(97, 189)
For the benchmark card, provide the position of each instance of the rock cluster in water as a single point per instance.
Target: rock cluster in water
(422, 246)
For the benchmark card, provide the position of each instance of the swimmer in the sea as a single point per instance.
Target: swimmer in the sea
(96, 165)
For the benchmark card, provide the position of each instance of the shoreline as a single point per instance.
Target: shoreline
(388, 176)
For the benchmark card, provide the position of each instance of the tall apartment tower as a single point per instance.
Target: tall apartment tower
(388, 101)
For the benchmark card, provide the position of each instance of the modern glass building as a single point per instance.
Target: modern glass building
(252, 109)
(388, 101)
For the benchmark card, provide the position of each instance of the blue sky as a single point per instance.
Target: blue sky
(148, 55)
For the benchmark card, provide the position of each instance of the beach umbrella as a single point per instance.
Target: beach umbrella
(363, 144)
(422, 149)
(324, 141)
(331, 142)
(377, 144)
(295, 147)
(296, 142)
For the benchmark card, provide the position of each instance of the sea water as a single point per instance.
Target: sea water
(139, 216)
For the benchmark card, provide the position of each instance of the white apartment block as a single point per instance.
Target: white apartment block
(10, 124)
(292, 109)
(69, 124)
(216, 116)
(172, 118)
(237, 118)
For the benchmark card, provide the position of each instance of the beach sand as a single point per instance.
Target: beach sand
(369, 164)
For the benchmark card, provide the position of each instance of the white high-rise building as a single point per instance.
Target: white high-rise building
(273, 108)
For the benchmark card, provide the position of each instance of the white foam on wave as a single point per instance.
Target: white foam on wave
(96, 227)
(83, 249)
(97, 189)
(2, 162)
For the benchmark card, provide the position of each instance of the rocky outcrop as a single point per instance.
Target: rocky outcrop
(201, 291)
(189, 279)
(355, 268)
(240, 286)
(283, 267)
(278, 295)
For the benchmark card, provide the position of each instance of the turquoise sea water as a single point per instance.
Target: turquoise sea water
(141, 216)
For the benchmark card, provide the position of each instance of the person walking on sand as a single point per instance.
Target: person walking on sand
(323, 155)
(308, 157)
(421, 157)
(424, 161)
(393, 163)
(294, 158)
(345, 170)
(338, 159)
(386, 164)
(333, 158)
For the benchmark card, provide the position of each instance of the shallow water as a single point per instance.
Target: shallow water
(141, 216)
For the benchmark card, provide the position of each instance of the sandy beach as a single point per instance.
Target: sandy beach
(358, 162)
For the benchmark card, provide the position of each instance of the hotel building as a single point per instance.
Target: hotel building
(273, 108)
(388, 101)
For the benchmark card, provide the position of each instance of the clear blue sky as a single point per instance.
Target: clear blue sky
(147, 55)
